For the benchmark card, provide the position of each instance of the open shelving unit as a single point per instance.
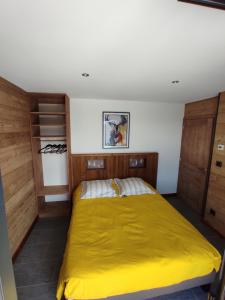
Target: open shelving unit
(50, 123)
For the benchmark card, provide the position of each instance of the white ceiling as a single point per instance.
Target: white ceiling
(132, 49)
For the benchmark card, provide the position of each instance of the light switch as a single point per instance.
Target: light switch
(220, 147)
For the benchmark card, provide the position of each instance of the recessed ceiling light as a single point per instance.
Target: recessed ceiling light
(175, 81)
(85, 74)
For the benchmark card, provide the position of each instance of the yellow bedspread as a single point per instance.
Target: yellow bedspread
(123, 245)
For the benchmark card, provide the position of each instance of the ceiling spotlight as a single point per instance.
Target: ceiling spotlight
(85, 74)
(175, 81)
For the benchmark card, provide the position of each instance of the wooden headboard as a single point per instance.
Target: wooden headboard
(114, 165)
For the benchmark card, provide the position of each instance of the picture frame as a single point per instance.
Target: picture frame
(115, 130)
(220, 4)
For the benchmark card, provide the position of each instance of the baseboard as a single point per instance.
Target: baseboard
(24, 240)
(170, 195)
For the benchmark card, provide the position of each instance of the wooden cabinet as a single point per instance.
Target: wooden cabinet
(196, 148)
(215, 206)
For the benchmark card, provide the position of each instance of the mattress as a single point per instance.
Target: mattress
(117, 246)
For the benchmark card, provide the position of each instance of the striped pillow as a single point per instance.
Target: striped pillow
(97, 189)
(132, 186)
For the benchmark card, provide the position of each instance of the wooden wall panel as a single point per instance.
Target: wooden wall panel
(16, 162)
(203, 108)
(196, 142)
(116, 166)
(192, 182)
(196, 149)
(215, 206)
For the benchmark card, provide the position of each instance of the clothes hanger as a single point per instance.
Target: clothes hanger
(53, 148)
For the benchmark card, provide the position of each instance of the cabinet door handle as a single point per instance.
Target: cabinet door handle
(219, 164)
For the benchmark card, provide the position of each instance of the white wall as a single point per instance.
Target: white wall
(54, 166)
(54, 171)
(153, 127)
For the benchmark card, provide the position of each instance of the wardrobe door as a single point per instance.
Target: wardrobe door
(215, 206)
(198, 127)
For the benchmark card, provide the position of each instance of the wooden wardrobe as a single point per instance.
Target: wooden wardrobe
(196, 148)
(215, 205)
(201, 181)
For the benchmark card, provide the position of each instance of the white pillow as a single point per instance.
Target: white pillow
(97, 189)
(132, 186)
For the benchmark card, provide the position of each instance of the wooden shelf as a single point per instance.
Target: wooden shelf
(50, 138)
(53, 190)
(50, 125)
(48, 113)
(55, 209)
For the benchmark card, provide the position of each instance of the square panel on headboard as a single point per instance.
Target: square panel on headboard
(114, 165)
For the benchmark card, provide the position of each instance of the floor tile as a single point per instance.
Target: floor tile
(30, 254)
(185, 295)
(38, 264)
(199, 294)
(37, 292)
(35, 273)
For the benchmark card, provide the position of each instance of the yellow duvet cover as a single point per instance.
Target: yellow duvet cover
(122, 245)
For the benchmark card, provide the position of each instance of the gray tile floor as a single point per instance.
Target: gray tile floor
(37, 266)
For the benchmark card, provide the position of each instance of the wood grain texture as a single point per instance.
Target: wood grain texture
(55, 209)
(53, 190)
(16, 162)
(196, 142)
(116, 166)
(192, 182)
(202, 108)
(216, 190)
(68, 142)
(196, 149)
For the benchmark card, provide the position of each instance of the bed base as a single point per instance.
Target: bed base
(149, 294)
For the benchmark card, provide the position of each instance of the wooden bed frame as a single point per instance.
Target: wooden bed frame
(114, 165)
(119, 165)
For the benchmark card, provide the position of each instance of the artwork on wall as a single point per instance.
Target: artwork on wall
(211, 3)
(116, 129)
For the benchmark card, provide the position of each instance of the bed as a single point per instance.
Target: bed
(135, 247)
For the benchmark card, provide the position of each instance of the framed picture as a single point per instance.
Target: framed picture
(116, 130)
(211, 3)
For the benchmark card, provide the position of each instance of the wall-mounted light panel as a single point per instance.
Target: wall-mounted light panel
(137, 163)
(93, 164)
